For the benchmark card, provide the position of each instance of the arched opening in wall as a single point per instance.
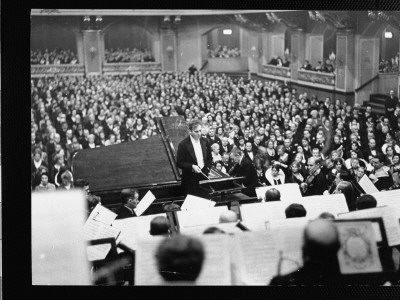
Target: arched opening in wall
(389, 50)
(223, 42)
(128, 42)
(329, 45)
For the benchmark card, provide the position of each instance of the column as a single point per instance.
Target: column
(298, 46)
(345, 60)
(92, 50)
(168, 50)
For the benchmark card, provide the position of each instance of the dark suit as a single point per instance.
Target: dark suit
(124, 212)
(317, 186)
(222, 150)
(247, 170)
(186, 158)
(247, 155)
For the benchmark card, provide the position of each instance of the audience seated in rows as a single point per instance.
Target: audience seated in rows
(123, 55)
(53, 57)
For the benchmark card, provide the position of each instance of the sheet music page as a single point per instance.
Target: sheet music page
(199, 217)
(193, 202)
(315, 205)
(216, 268)
(367, 185)
(146, 272)
(97, 252)
(359, 252)
(97, 230)
(390, 220)
(255, 265)
(144, 203)
(389, 198)
(290, 192)
(229, 228)
(255, 215)
(102, 214)
(134, 228)
(289, 239)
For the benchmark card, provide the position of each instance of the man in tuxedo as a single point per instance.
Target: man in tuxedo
(390, 105)
(371, 150)
(194, 158)
(129, 201)
(244, 168)
(381, 176)
(318, 184)
(249, 151)
(212, 138)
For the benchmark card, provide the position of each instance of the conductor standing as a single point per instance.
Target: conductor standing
(194, 158)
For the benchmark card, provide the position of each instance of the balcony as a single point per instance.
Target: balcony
(51, 70)
(129, 68)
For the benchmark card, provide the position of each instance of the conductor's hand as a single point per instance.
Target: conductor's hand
(196, 168)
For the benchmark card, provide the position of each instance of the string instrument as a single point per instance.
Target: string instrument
(310, 177)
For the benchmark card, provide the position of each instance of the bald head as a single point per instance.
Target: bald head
(321, 241)
(228, 216)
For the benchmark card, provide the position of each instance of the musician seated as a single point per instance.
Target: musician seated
(159, 226)
(212, 230)
(228, 217)
(244, 168)
(315, 183)
(180, 259)
(365, 202)
(272, 195)
(381, 176)
(346, 188)
(92, 200)
(295, 210)
(129, 201)
(320, 247)
(327, 216)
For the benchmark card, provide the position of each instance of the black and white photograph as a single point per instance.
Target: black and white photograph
(214, 147)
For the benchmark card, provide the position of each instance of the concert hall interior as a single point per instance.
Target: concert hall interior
(215, 147)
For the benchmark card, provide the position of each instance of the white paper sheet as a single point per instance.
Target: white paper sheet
(193, 202)
(255, 215)
(315, 205)
(367, 185)
(144, 203)
(199, 217)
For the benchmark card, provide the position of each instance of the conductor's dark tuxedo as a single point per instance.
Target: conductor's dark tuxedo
(186, 158)
(124, 212)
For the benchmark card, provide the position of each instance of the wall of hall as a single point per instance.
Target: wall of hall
(127, 35)
(54, 33)
(190, 34)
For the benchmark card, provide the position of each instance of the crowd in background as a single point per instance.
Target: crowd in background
(326, 66)
(119, 55)
(223, 52)
(53, 57)
(74, 113)
(389, 65)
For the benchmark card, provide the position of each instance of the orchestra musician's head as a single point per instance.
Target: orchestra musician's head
(228, 216)
(159, 226)
(272, 195)
(366, 201)
(378, 161)
(130, 198)
(295, 210)
(313, 162)
(327, 216)
(180, 258)
(195, 127)
(321, 244)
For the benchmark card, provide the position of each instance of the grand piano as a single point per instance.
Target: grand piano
(148, 164)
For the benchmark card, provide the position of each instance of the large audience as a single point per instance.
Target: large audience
(223, 52)
(53, 57)
(123, 55)
(74, 113)
(389, 65)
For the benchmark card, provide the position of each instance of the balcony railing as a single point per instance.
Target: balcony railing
(51, 70)
(317, 77)
(125, 68)
(276, 71)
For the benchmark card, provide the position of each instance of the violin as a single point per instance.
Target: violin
(310, 177)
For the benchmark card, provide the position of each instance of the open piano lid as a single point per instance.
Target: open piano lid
(136, 164)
